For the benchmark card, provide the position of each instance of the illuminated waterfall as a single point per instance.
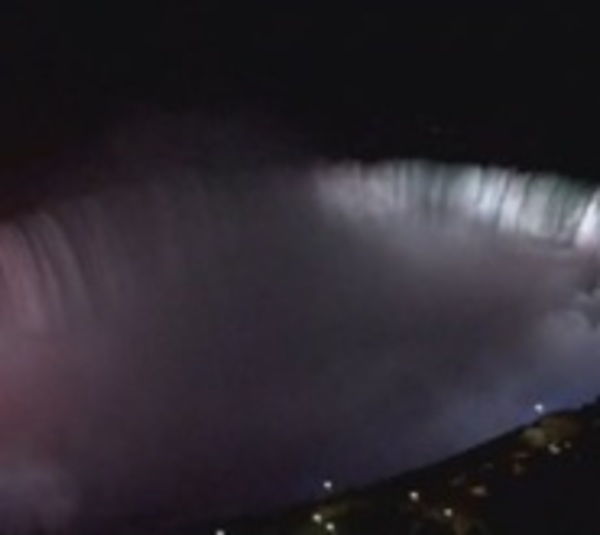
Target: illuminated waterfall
(192, 317)
(102, 247)
(542, 207)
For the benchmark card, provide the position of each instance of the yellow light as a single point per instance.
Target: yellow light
(479, 490)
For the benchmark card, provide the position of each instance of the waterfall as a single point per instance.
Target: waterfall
(229, 344)
(539, 206)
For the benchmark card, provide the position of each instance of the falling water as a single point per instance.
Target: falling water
(541, 207)
(173, 335)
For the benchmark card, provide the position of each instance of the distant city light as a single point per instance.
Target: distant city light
(448, 512)
(220, 532)
(539, 408)
(480, 491)
(317, 518)
(330, 526)
(414, 496)
(328, 485)
(554, 449)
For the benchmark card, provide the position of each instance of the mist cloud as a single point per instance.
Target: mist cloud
(195, 344)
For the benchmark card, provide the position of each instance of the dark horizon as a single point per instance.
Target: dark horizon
(508, 85)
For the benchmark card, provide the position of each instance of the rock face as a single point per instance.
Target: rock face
(476, 492)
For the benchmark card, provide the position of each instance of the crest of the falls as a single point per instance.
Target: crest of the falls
(538, 206)
(81, 251)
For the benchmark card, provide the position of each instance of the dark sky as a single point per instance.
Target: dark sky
(182, 297)
(507, 83)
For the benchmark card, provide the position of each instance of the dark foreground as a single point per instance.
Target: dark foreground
(543, 478)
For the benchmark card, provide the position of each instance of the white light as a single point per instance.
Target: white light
(328, 485)
(220, 532)
(539, 408)
(554, 449)
(330, 526)
(317, 518)
(448, 512)
(414, 496)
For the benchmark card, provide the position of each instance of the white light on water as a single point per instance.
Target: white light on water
(536, 206)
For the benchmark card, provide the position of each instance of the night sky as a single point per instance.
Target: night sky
(196, 320)
(505, 84)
